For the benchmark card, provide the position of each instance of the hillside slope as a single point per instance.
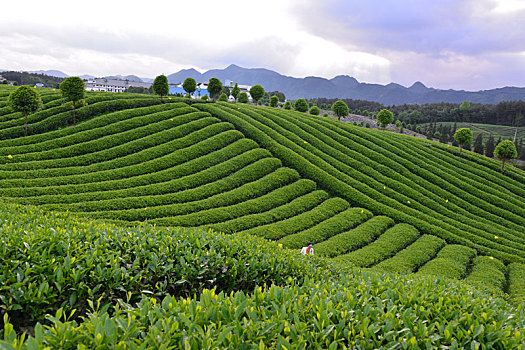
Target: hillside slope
(367, 197)
(94, 285)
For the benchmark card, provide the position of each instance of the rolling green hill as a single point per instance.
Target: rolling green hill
(371, 198)
(84, 263)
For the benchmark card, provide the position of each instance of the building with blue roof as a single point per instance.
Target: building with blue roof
(174, 90)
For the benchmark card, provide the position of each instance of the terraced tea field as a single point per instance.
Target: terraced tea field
(369, 198)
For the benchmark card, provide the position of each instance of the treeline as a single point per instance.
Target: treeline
(25, 78)
(355, 106)
(504, 113)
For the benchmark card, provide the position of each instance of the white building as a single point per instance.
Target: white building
(112, 85)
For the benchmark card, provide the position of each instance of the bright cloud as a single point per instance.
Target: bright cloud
(470, 44)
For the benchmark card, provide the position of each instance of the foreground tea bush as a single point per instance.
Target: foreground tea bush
(52, 261)
(91, 285)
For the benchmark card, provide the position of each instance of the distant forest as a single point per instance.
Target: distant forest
(509, 113)
(25, 78)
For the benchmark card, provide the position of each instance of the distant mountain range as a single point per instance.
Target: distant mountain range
(344, 86)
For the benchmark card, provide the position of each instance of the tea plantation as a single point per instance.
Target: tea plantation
(84, 264)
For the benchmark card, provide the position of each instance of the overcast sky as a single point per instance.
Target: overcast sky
(459, 44)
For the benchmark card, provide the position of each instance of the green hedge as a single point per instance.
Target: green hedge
(52, 260)
(452, 261)
(93, 123)
(189, 147)
(270, 200)
(332, 226)
(104, 286)
(303, 221)
(299, 205)
(355, 238)
(226, 162)
(50, 120)
(121, 121)
(250, 173)
(488, 272)
(366, 171)
(390, 242)
(433, 196)
(516, 286)
(300, 156)
(413, 256)
(112, 146)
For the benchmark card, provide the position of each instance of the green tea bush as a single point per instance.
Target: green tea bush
(294, 154)
(191, 146)
(154, 206)
(264, 202)
(158, 127)
(413, 256)
(451, 261)
(52, 260)
(516, 287)
(303, 221)
(53, 118)
(488, 272)
(332, 226)
(230, 162)
(248, 174)
(129, 119)
(355, 238)
(390, 242)
(81, 284)
(303, 204)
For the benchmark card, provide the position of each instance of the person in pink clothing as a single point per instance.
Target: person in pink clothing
(309, 249)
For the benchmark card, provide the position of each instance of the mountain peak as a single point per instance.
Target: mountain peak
(232, 66)
(418, 85)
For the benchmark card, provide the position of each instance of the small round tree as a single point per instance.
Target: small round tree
(160, 86)
(223, 97)
(315, 110)
(205, 98)
(398, 124)
(214, 88)
(243, 97)
(235, 91)
(504, 151)
(256, 91)
(274, 101)
(189, 85)
(73, 89)
(463, 137)
(340, 109)
(300, 105)
(385, 117)
(25, 100)
(287, 105)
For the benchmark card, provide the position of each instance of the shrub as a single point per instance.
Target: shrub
(451, 262)
(393, 240)
(300, 105)
(413, 256)
(274, 101)
(346, 241)
(487, 272)
(328, 228)
(315, 110)
(243, 97)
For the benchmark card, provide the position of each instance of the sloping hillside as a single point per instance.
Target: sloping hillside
(366, 197)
